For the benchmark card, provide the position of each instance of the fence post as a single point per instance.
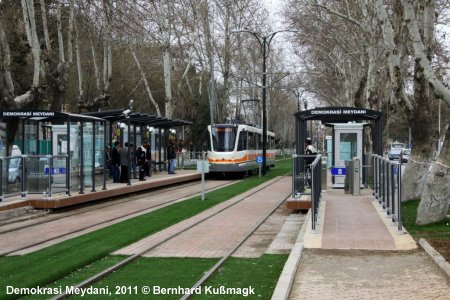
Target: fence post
(50, 171)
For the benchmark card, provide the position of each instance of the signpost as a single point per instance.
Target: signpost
(202, 168)
(259, 161)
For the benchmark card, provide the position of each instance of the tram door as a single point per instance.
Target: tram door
(348, 144)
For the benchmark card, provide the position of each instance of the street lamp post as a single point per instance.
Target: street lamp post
(264, 42)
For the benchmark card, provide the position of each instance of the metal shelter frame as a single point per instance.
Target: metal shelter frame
(336, 115)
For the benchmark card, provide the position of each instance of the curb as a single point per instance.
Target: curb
(436, 256)
(284, 284)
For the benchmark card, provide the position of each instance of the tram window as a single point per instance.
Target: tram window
(251, 141)
(242, 143)
(224, 138)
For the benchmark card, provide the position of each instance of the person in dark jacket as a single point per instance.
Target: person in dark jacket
(124, 163)
(115, 157)
(309, 150)
(171, 156)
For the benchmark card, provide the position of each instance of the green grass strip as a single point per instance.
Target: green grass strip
(168, 277)
(52, 263)
(440, 230)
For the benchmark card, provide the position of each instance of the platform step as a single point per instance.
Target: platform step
(304, 202)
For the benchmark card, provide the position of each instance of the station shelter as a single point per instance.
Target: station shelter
(45, 152)
(347, 139)
(33, 160)
(138, 127)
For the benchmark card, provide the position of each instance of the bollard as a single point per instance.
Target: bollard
(356, 185)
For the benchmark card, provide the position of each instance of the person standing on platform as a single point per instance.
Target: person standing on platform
(309, 150)
(141, 153)
(124, 163)
(115, 157)
(108, 162)
(171, 156)
(148, 162)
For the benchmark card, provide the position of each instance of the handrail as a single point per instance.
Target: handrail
(387, 189)
(313, 177)
(316, 190)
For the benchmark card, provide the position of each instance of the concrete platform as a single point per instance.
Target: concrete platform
(60, 200)
(355, 222)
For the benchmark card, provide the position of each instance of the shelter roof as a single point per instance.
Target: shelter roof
(40, 115)
(117, 115)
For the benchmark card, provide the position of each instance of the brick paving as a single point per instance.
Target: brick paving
(217, 235)
(41, 232)
(351, 222)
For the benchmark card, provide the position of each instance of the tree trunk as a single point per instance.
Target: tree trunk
(7, 93)
(168, 81)
(434, 204)
(45, 26)
(69, 33)
(60, 34)
(81, 100)
(30, 25)
(147, 86)
(94, 60)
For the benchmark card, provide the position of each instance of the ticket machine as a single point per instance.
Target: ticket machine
(347, 144)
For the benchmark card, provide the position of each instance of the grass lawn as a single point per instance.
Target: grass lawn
(437, 234)
(52, 263)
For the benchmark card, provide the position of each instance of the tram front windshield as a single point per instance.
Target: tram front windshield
(223, 138)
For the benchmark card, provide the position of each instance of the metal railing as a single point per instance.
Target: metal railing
(387, 187)
(316, 190)
(308, 176)
(33, 174)
(190, 158)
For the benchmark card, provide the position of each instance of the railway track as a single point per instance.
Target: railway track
(183, 229)
(104, 222)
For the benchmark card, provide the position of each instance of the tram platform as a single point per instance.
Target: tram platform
(355, 222)
(345, 223)
(61, 200)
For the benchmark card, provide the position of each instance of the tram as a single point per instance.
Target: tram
(233, 148)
